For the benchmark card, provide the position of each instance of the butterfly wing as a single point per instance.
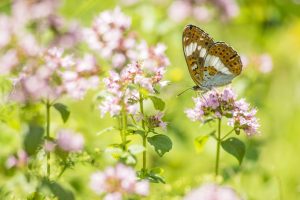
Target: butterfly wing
(195, 44)
(222, 63)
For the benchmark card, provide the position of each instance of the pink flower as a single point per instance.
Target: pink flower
(112, 105)
(49, 146)
(5, 30)
(156, 121)
(266, 63)
(228, 8)
(20, 160)
(107, 35)
(142, 188)
(179, 10)
(225, 104)
(202, 14)
(8, 61)
(117, 181)
(212, 192)
(69, 141)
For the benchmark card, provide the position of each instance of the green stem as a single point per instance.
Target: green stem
(48, 106)
(144, 168)
(124, 127)
(225, 136)
(218, 148)
(62, 171)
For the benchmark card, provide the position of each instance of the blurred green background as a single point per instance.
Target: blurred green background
(262, 27)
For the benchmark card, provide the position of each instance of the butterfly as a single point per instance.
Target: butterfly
(211, 64)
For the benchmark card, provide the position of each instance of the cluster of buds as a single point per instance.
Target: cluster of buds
(55, 74)
(110, 37)
(19, 43)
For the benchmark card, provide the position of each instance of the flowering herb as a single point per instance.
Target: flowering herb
(218, 105)
(137, 75)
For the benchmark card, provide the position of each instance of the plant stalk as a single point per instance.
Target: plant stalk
(144, 168)
(218, 148)
(124, 127)
(48, 106)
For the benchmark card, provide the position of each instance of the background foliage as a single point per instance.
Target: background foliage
(270, 169)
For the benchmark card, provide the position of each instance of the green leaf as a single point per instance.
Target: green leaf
(234, 147)
(161, 143)
(157, 170)
(158, 103)
(58, 190)
(200, 142)
(63, 110)
(139, 132)
(33, 139)
(155, 178)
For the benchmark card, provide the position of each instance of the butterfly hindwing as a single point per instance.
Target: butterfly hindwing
(195, 44)
(221, 65)
(224, 58)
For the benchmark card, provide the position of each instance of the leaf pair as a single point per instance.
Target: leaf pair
(232, 145)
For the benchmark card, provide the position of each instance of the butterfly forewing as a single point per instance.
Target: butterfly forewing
(195, 44)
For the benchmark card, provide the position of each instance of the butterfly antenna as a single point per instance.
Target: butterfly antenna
(184, 91)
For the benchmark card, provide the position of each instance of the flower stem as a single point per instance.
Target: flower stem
(124, 128)
(218, 148)
(144, 168)
(48, 106)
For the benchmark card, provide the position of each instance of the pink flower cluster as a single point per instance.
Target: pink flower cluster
(69, 141)
(212, 192)
(225, 104)
(179, 10)
(20, 160)
(137, 66)
(115, 182)
(122, 89)
(156, 121)
(20, 41)
(55, 74)
(110, 36)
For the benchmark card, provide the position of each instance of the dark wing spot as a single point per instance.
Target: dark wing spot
(233, 56)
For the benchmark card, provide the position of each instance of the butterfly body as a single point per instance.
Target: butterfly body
(211, 64)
